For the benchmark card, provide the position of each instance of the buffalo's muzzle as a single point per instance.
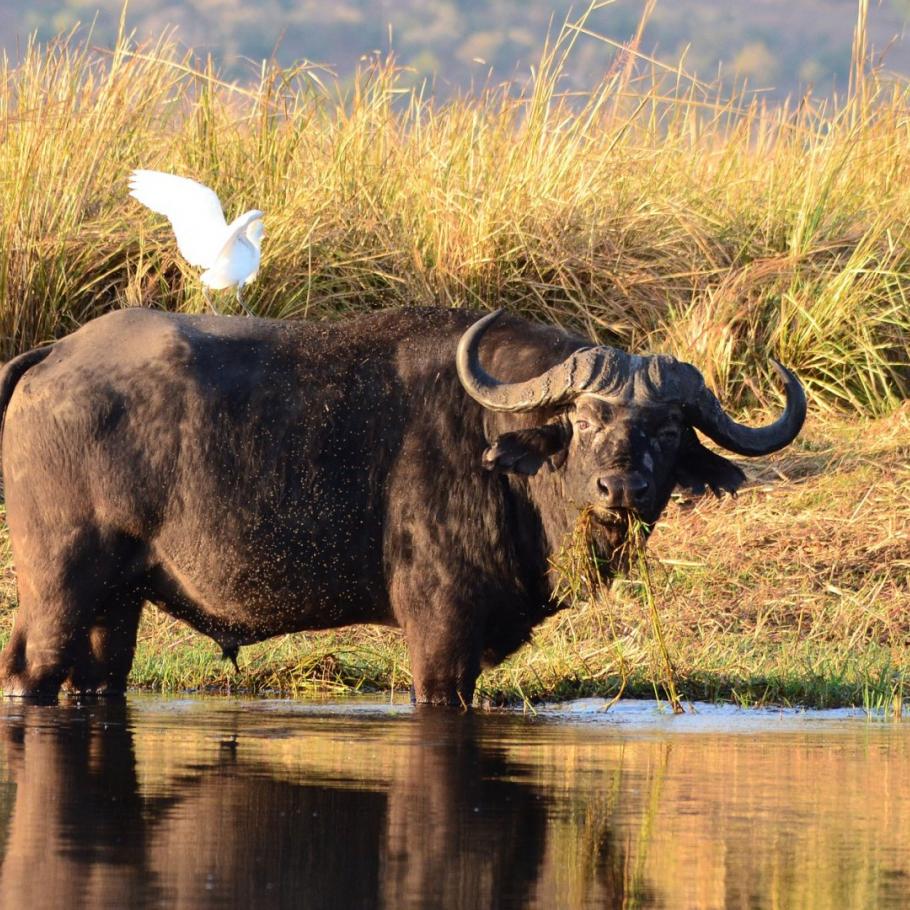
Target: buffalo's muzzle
(624, 491)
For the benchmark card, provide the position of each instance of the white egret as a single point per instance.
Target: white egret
(229, 253)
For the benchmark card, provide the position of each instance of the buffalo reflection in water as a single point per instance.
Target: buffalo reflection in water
(429, 813)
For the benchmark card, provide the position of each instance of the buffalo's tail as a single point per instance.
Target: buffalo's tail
(10, 375)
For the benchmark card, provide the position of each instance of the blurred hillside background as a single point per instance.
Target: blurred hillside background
(781, 47)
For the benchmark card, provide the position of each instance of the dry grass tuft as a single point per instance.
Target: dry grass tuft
(580, 577)
(651, 212)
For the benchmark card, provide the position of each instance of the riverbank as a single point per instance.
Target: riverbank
(797, 592)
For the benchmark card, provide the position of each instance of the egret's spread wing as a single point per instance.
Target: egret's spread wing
(193, 210)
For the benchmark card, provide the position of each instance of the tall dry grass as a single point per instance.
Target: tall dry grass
(650, 212)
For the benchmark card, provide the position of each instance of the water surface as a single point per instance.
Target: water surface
(217, 802)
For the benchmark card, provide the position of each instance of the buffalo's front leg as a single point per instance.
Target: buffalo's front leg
(444, 672)
(443, 641)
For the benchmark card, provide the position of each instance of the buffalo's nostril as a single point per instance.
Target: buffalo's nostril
(626, 491)
(612, 491)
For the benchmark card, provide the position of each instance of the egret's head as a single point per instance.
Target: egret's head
(255, 232)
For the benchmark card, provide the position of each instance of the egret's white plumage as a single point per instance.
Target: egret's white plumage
(229, 253)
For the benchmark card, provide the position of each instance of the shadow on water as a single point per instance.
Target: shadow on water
(216, 803)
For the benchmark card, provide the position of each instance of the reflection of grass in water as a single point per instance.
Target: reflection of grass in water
(579, 572)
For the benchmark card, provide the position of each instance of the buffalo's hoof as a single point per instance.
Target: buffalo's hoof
(101, 690)
(26, 690)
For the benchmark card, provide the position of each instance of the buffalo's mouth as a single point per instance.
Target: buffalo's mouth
(610, 534)
(615, 536)
(629, 523)
(616, 525)
(614, 518)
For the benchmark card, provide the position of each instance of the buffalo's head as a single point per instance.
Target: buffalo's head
(618, 430)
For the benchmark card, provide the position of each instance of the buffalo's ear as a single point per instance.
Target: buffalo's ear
(525, 451)
(698, 467)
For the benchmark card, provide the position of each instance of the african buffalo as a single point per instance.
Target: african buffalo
(414, 467)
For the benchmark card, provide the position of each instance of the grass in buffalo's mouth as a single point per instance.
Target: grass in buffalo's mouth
(795, 593)
(582, 575)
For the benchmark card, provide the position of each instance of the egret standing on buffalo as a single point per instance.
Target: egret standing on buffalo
(229, 253)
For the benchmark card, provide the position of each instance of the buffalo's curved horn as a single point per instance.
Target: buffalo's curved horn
(587, 369)
(608, 372)
(707, 415)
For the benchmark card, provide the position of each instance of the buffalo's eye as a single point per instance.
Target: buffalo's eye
(581, 424)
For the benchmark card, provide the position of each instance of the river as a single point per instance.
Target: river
(215, 802)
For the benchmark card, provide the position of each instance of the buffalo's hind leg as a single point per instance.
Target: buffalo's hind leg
(57, 624)
(105, 654)
(45, 641)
